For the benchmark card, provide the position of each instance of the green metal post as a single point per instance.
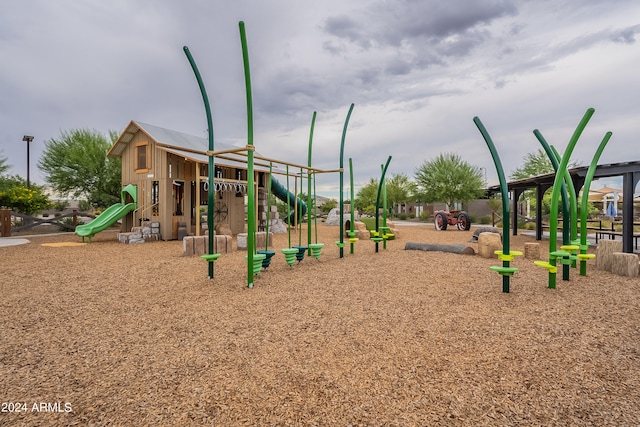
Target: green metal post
(210, 198)
(266, 227)
(557, 185)
(504, 190)
(344, 134)
(352, 206)
(585, 201)
(288, 205)
(384, 210)
(251, 209)
(554, 158)
(380, 185)
(309, 200)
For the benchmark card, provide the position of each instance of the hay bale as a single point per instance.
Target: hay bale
(476, 233)
(604, 253)
(488, 244)
(625, 264)
(187, 246)
(532, 250)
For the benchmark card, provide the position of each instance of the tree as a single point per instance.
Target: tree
(328, 205)
(15, 195)
(398, 189)
(77, 164)
(535, 164)
(366, 196)
(448, 179)
(4, 167)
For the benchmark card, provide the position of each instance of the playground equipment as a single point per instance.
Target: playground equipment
(505, 255)
(297, 206)
(569, 253)
(381, 233)
(268, 253)
(340, 242)
(444, 218)
(352, 232)
(210, 256)
(253, 256)
(112, 214)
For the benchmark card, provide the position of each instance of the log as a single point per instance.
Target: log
(454, 248)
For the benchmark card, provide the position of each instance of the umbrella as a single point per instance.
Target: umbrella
(612, 211)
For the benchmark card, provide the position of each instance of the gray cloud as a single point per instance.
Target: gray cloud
(417, 71)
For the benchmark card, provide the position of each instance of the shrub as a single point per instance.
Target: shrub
(485, 219)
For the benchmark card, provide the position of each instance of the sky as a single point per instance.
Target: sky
(417, 72)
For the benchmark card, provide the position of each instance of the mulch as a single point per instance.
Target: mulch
(108, 334)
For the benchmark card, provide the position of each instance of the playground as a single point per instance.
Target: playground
(139, 335)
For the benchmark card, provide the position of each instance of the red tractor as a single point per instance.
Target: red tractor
(458, 218)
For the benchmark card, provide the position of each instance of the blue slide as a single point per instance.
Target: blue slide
(285, 195)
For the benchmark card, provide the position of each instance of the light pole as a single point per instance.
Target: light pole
(28, 139)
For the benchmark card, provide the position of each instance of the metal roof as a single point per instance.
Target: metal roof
(179, 143)
(577, 174)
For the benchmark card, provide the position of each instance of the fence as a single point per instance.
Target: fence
(28, 222)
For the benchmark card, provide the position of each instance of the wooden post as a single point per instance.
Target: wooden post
(5, 218)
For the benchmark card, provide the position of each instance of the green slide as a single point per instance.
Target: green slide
(286, 196)
(112, 214)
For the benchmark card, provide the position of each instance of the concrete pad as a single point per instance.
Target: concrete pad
(12, 241)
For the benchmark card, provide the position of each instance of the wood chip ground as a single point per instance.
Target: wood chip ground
(137, 335)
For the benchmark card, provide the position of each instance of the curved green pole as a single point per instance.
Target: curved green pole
(266, 227)
(315, 217)
(288, 204)
(504, 192)
(251, 219)
(210, 198)
(584, 244)
(309, 201)
(554, 158)
(298, 213)
(344, 134)
(573, 217)
(352, 207)
(384, 211)
(573, 205)
(380, 185)
(557, 185)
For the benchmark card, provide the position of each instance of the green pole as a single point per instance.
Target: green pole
(251, 219)
(352, 206)
(344, 134)
(504, 190)
(309, 200)
(554, 158)
(553, 220)
(380, 185)
(584, 245)
(210, 198)
(266, 227)
(384, 210)
(288, 205)
(315, 217)
(298, 216)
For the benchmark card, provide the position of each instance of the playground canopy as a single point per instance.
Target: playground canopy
(629, 171)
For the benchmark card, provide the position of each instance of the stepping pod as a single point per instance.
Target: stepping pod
(290, 255)
(257, 262)
(316, 248)
(301, 252)
(268, 254)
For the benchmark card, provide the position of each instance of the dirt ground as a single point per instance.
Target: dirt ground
(106, 334)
